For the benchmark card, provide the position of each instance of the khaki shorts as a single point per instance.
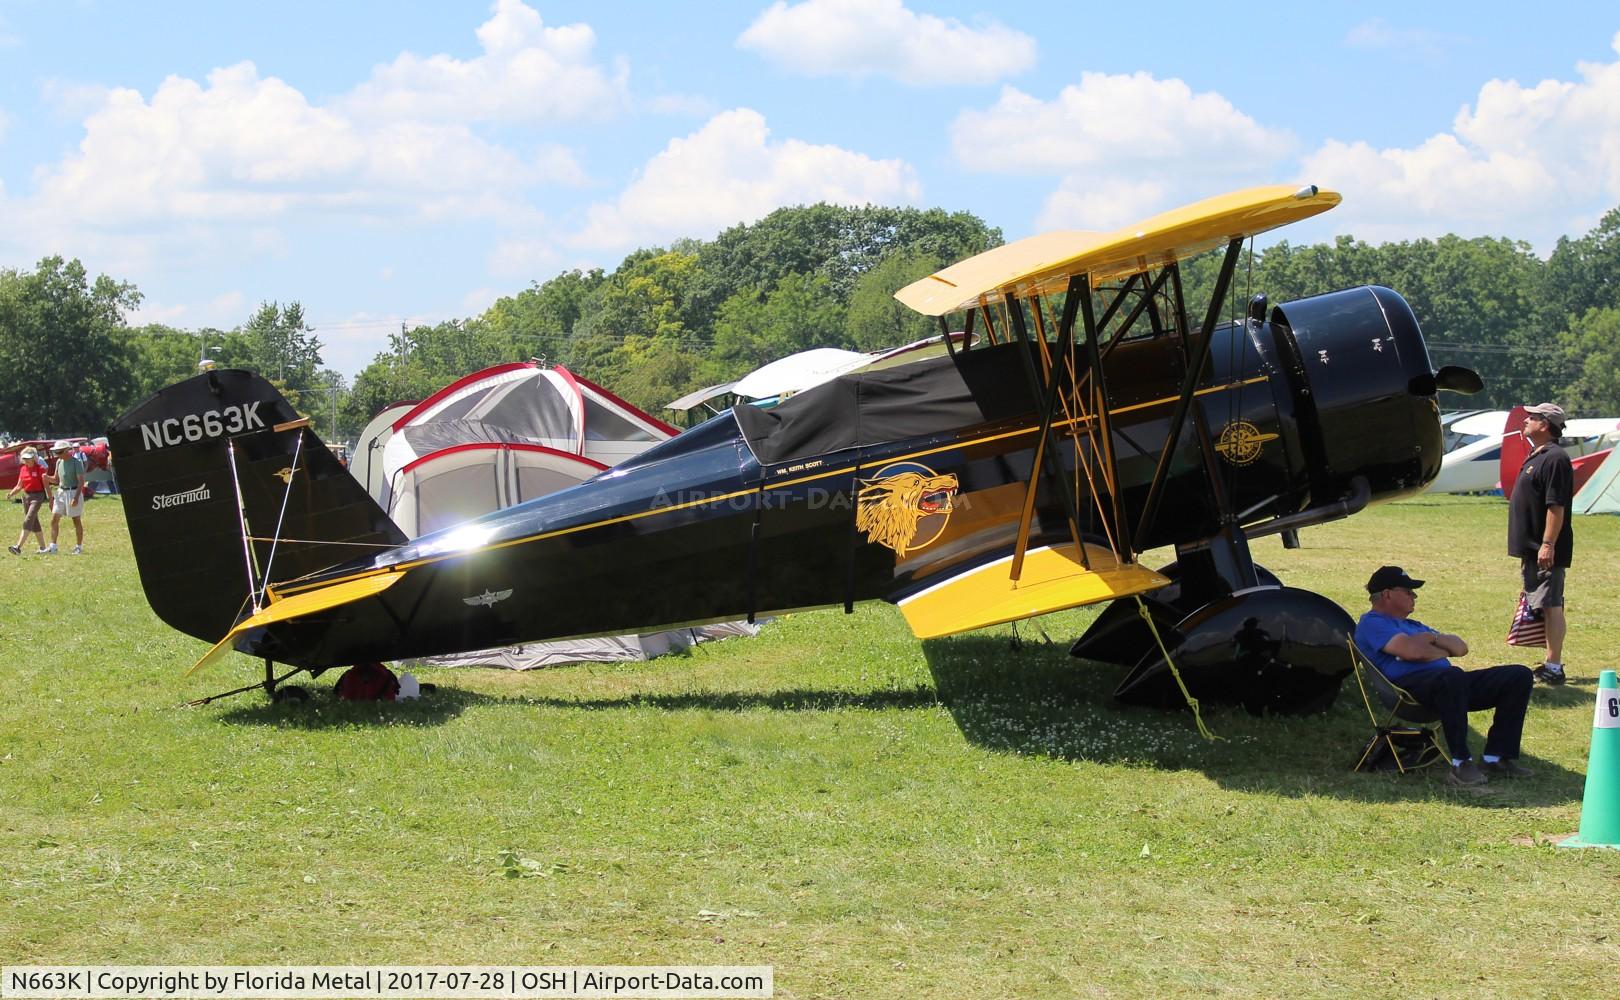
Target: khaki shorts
(1542, 588)
(69, 502)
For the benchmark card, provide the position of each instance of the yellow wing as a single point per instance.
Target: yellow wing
(1043, 264)
(1053, 580)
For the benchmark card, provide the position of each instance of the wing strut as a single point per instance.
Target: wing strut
(1189, 381)
(1048, 401)
(1104, 421)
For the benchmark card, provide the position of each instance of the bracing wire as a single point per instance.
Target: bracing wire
(270, 562)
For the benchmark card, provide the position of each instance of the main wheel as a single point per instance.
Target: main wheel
(289, 693)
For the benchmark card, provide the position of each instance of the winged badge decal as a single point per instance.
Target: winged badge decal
(487, 598)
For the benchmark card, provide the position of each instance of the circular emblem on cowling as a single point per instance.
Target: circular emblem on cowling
(1240, 442)
(905, 506)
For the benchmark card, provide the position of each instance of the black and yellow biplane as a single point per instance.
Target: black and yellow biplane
(1088, 417)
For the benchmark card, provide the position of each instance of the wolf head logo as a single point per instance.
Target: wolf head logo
(889, 508)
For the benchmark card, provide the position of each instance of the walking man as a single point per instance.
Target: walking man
(69, 475)
(1539, 533)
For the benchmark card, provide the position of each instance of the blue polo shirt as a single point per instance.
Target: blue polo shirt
(1373, 633)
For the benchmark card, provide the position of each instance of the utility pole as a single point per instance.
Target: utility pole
(399, 386)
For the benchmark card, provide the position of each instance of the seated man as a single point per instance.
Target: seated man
(1414, 656)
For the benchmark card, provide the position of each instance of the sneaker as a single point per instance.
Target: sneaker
(15, 550)
(1549, 676)
(49, 549)
(78, 550)
(1466, 775)
(1507, 767)
(44, 552)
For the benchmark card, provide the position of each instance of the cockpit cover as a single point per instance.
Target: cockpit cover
(979, 386)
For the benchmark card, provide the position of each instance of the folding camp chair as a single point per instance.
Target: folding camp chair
(1404, 734)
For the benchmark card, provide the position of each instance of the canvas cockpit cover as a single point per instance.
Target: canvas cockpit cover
(979, 386)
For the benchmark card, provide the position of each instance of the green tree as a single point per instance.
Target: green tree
(838, 243)
(68, 369)
(799, 313)
(653, 372)
(1592, 348)
(875, 319)
(1583, 273)
(539, 320)
(647, 297)
(162, 355)
(281, 347)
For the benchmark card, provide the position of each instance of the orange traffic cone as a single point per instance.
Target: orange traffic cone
(1600, 807)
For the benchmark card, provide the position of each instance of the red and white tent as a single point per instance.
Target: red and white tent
(504, 436)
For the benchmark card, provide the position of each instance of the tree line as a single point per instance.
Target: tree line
(671, 319)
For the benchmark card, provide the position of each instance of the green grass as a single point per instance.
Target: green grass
(870, 815)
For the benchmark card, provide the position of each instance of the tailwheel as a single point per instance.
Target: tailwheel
(289, 693)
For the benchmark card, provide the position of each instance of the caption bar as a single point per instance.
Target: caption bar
(319, 982)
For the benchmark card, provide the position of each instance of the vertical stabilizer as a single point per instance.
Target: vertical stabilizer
(221, 452)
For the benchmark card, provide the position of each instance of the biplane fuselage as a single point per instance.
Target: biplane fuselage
(718, 524)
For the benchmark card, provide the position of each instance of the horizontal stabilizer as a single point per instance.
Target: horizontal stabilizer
(300, 606)
(1053, 579)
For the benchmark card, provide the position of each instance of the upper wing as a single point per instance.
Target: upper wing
(1042, 264)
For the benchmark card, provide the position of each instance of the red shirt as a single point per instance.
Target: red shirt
(31, 477)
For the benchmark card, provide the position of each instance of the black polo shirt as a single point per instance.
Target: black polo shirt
(1545, 480)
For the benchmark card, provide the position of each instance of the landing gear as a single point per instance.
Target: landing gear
(1235, 634)
(291, 694)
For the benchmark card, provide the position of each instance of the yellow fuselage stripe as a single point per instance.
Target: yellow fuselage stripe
(280, 593)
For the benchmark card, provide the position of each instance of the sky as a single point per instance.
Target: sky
(389, 161)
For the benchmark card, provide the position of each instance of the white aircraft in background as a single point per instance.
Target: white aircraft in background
(1473, 465)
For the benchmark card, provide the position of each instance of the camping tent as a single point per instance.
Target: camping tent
(504, 436)
(366, 464)
(1601, 494)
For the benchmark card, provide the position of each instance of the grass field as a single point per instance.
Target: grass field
(873, 816)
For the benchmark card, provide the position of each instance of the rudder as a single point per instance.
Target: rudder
(182, 457)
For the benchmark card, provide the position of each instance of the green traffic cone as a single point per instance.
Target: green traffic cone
(1600, 806)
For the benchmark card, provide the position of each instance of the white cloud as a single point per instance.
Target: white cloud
(681, 104)
(240, 148)
(1529, 162)
(1121, 145)
(73, 101)
(883, 38)
(223, 311)
(479, 299)
(729, 171)
(523, 258)
(1378, 34)
(527, 72)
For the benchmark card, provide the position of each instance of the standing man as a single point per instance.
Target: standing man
(1417, 658)
(1539, 533)
(69, 475)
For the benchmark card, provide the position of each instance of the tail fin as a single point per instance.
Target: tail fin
(221, 452)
